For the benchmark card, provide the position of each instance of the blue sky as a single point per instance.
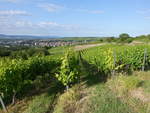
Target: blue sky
(75, 17)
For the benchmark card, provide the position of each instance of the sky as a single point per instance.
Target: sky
(75, 17)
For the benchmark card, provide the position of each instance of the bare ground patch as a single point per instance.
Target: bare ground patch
(139, 94)
(81, 47)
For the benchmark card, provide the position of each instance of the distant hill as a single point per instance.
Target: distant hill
(27, 37)
(3, 36)
(82, 38)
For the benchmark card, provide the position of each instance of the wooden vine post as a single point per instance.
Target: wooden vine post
(144, 60)
(3, 105)
(114, 63)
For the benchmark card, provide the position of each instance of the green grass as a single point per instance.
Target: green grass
(146, 86)
(95, 99)
(37, 104)
(67, 101)
(132, 90)
(145, 40)
(59, 50)
(40, 104)
(129, 82)
(105, 97)
(104, 101)
(145, 76)
(44, 102)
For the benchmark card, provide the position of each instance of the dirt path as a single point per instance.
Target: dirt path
(139, 94)
(81, 47)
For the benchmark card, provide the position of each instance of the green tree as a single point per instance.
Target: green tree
(110, 39)
(148, 36)
(124, 36)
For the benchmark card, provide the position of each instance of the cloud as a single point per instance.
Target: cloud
(24, 27)
(35, 28)
(23, 24)
(148, 17)
(90, 11)
(96, 12)
(13, 13)
(47, 24)
(11, 1)
(42, 24)
(143, 11)
(50, 7)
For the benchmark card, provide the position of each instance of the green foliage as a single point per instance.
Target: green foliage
(7, 51)
(129, 40)
(69, 70)
(4, 52)
(19, 55)
(16, 75)
(23, 52)
(110, 39)
(119, 58)
(124, 36)
(108, 61)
